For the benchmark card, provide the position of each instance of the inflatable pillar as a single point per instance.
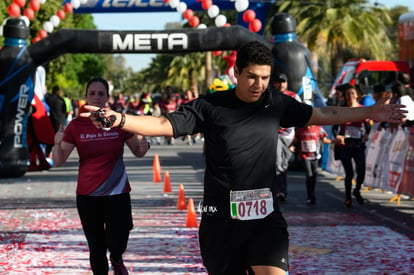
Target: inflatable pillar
(293, 59)
(16, 93)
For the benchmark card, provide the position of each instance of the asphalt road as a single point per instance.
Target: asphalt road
(40, 232)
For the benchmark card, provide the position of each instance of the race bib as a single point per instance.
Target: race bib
(308, 146)
(251, 204)
(353, 132)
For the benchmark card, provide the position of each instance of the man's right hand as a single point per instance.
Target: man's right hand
(102, 118)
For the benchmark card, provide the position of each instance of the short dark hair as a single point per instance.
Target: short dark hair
(253, 52)
(379, 88)
(404, 78)
(345, 87)
(281, 78)
(98, 79)
(399, 89)
(55, 89)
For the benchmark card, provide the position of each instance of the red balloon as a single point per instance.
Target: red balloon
(35, 5)
(42, 34)
(206, 4)
(13, 10)
(231, 61)
(188, 14)
(194, 21)
(29, 13)
(249, 15)
(61, 14)
(255, 25)
(227, 25)
(68, 8)
(217, 53)
(20, 3)
(34, 40)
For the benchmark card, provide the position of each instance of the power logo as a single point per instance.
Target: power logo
(21, 116)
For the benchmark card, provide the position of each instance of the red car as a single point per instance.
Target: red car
(366, 74)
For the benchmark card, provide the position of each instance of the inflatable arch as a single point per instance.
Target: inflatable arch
(19, 62)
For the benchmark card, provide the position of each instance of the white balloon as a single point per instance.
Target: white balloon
(42, 1)
(241, 5)
(1, 30)
(220, 20)
(75, 3)
(83, 2)
(202, 26)
(55, 20)
(26, 20)
(48, 26)
(213, 11)
(173, 3)
(182, 7)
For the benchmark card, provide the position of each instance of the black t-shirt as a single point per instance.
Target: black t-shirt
(240, 140)
(57, 111)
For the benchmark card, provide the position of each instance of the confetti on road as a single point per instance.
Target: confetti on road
(51, 241)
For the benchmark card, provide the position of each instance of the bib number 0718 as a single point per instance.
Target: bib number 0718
(251, 204)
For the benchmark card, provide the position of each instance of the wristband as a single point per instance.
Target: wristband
(122, 123)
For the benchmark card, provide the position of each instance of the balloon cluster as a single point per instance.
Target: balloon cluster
(249, 16)
(15, 10)
(213, 11)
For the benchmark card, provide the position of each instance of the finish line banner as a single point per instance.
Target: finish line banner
(104, 6)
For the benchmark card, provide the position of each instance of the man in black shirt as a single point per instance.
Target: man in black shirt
(57, 112)
(242, 228)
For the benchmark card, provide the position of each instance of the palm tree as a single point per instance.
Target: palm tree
(187, 71)
(335, 28)
(152, 79)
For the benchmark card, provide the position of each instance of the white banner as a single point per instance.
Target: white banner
(396, 159)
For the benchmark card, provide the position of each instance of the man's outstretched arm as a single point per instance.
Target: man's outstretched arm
(380, 111)
(141, 125)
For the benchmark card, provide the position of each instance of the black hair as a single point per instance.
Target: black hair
(399, 89)
(404, 78)
(55, 89)
(348, 86)
(253, 52)
(100, 80)
(379, 88)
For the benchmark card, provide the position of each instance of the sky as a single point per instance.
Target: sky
(157, 21)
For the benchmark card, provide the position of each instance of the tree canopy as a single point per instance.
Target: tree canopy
(334, 30)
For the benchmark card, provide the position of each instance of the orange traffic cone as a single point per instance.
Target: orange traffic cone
(181, 205)
(156, 167)
(191, 214)
(167, 184)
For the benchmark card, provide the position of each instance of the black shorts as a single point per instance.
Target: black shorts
(231, 247)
